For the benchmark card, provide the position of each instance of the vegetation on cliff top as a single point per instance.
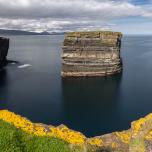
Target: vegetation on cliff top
(18, 134)
(93, 33)
(16, 140)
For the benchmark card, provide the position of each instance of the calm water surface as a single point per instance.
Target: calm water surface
(93, 106)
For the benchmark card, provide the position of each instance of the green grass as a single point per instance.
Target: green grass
(16, 140)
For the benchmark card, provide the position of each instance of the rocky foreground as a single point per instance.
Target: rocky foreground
(91, 54)
(137, 139)
(4, 46)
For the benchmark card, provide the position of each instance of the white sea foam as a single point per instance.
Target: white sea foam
(13, 63)
(24, 66)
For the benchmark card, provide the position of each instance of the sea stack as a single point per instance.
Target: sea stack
(4, 46)
(91, 54)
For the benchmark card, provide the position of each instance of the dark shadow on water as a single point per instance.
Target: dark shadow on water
(91, 104)
(3, 87)
(3, 77)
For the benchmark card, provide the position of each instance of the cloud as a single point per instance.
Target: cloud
(63, 15)
(50, 25)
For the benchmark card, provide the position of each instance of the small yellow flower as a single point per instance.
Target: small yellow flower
(39, 130)
(124, 136)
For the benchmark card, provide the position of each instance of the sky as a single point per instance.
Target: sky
(127, 16)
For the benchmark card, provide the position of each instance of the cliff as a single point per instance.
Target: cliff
(137, 139)
(91, 54)
(4, 46)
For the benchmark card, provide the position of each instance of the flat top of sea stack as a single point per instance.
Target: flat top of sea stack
(92, 33)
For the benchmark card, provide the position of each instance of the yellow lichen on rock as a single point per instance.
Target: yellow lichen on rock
(114, 145)
(139, 124)
(124, 136)
(149, 135)
(95, 141)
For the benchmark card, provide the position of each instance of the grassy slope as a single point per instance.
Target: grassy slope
(15, 140)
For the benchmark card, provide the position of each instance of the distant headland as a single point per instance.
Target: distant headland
(21, 32)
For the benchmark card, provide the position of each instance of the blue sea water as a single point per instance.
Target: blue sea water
(34, 88)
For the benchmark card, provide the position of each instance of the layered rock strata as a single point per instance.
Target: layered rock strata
(91, 54)
(4, 46)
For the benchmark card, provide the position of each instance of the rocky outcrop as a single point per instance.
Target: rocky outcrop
(91, 54)
(137, 139)
(4, 46)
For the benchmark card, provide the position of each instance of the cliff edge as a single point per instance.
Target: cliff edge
(136, 139)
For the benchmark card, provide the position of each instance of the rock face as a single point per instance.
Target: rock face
(4, 46)
(91, 54)
(137, 139)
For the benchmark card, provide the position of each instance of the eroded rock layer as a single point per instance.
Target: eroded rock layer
(4, 46)
(91, 54)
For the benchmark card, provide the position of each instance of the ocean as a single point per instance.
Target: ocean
(32, 86)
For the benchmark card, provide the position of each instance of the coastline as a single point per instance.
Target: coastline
(137, 139)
